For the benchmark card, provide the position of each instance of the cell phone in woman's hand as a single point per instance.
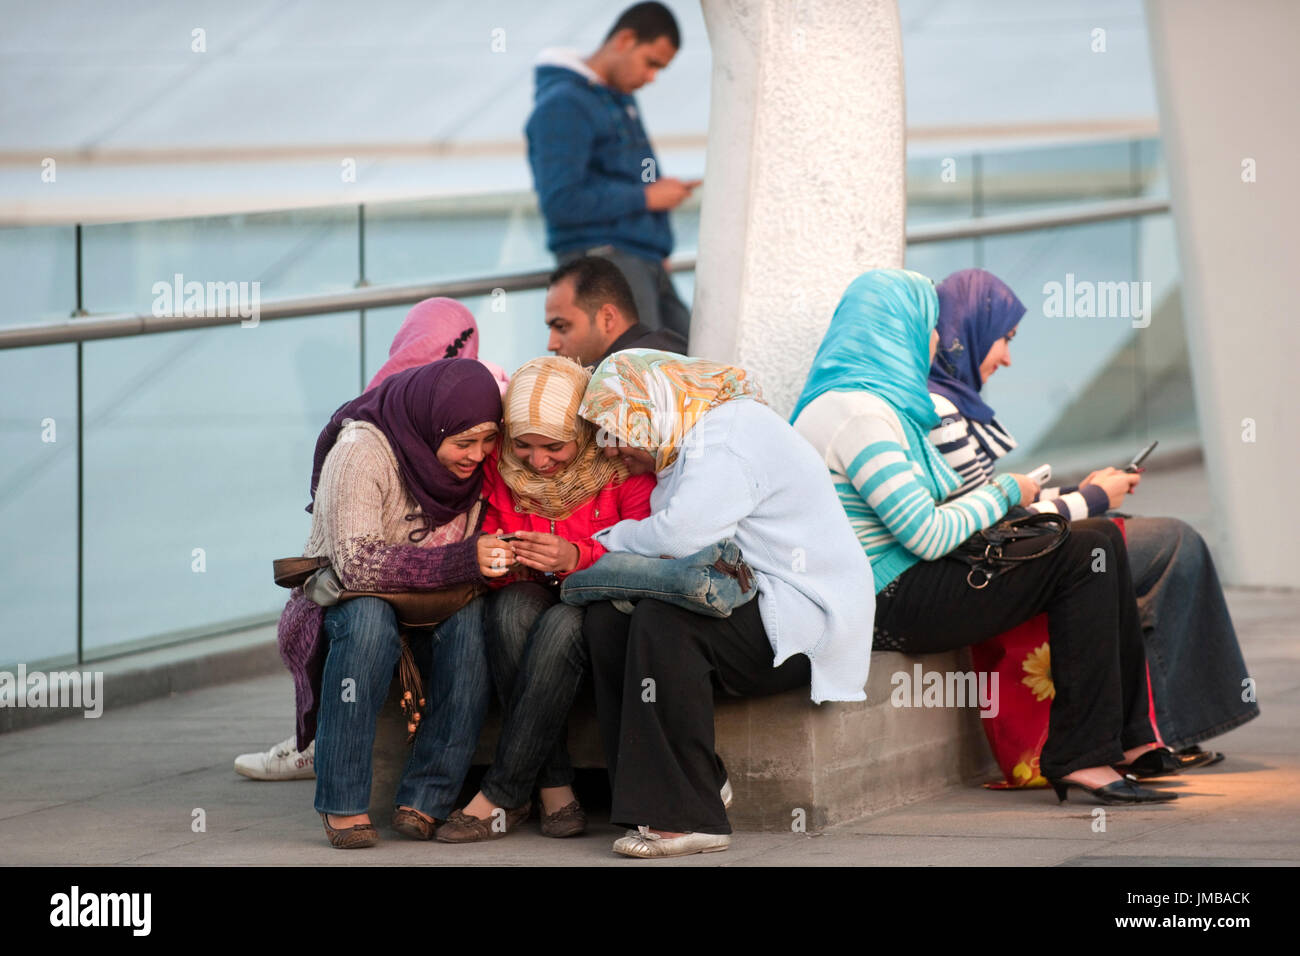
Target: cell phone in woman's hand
(1140, 457)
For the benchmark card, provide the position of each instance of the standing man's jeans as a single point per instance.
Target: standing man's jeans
(657, 303)
(537, 658)
(364, 647)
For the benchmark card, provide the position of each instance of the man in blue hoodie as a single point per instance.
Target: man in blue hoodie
(594, 170)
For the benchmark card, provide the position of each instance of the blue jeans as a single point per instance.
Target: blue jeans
(693, 583)
(537, 658)
(1196, 664)
(364, 647)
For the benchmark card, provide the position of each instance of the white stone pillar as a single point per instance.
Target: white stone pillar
(804, 187)
(1227, 76)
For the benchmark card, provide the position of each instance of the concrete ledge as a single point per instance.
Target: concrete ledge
(790, 761)
(147, 675)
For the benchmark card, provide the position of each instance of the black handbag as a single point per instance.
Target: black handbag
(1010, 543)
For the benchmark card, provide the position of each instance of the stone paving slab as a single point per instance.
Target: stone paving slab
(122, 789)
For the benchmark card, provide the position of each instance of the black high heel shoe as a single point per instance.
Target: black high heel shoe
(1198, 757)
(1163, 762)
(1122, 791)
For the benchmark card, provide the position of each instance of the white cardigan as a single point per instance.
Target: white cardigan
(744, 473)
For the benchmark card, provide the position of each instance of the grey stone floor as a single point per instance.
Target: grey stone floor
(123, 789)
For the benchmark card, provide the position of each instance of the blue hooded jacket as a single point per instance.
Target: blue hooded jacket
(587, 149)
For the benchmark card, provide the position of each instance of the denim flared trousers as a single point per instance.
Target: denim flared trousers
(1198, 677)
(364, 647)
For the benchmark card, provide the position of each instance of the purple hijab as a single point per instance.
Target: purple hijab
(416, 409)
(976, 308)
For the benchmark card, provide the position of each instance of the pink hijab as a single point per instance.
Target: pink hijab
(435, 329)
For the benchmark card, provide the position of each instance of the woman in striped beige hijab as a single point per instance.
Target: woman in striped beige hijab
(549, 489)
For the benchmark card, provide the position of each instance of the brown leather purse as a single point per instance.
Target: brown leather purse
(415, 609)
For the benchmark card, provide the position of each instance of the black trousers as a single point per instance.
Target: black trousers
(1097, 660)
(655, 672)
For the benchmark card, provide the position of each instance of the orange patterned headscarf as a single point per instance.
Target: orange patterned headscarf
(651, 400)
(543, 399)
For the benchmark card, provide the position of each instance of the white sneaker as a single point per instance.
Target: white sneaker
(646, 845)
(281, 762)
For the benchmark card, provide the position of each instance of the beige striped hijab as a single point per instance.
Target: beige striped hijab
(543, 399)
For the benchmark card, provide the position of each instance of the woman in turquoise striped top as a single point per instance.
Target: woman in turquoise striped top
(866, 408)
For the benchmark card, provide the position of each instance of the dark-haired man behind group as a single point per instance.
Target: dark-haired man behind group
(596, 175)
(591, 313)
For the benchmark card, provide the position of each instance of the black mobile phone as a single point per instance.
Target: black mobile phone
(512, 536)
(1140, 457)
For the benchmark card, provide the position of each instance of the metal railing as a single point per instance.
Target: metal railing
(122, 325)
(84, 328)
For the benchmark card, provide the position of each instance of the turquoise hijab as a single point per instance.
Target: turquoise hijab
(879, 341)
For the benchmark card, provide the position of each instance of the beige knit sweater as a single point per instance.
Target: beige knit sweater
(360, 519)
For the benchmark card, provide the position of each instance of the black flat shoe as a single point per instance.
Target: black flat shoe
(1123, 791)
(1196, 757)
(1161, 762)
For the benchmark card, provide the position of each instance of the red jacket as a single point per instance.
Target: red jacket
(612, 504)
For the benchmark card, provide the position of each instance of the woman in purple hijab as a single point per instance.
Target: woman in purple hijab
(396, 486)
(1196, 667)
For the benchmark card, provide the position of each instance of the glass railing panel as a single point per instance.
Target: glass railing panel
(1163, 354)
(1073, 380)
(940, 187)
(38, 453)
(428, 240)
(938, 259)
(198, 455)
(38, 268)
(133, 266)
(38, 505)
(1024, 179)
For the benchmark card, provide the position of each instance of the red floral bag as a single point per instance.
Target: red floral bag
(1021, 657)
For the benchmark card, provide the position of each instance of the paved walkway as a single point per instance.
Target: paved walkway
(125, 789)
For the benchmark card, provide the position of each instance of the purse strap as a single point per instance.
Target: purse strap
(294, 572)
(985, 551)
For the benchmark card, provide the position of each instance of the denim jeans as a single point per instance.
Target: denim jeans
(1196, 664)
(693, 583)
(364, 647)
(537, 658)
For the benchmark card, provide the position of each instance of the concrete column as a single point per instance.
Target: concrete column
(1226, 76)
(805, 180)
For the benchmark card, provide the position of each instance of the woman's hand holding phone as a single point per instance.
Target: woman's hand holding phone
(1114, 482)
(545, 552)
(1028, 488)
(494, 556)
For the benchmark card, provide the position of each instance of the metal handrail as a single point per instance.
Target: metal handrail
(122, 325)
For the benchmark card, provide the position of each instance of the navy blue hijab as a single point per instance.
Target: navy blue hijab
(976, 308)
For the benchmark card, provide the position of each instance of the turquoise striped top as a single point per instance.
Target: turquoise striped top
(896, 519)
